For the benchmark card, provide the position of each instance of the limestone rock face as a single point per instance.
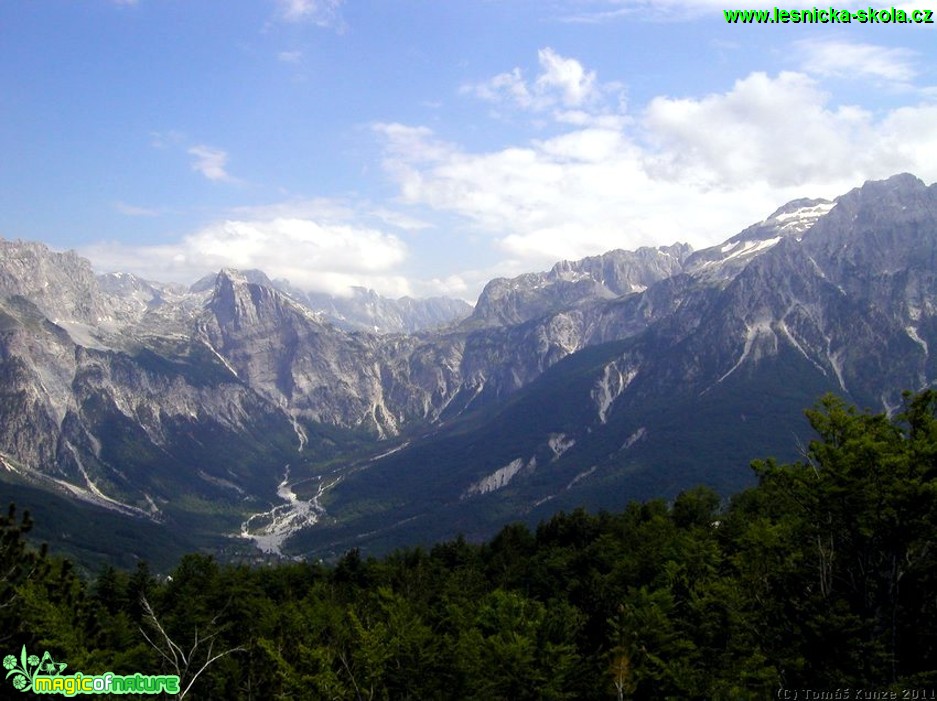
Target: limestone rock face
(505, 302)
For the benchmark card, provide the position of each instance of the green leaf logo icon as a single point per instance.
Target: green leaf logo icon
(25, 669)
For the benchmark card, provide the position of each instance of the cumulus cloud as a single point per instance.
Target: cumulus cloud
(561, 84)
(781, 130)
(787, 132)
(573, 195)
(210, 162)
(575, 85)
(305, 244)
(509, 86)
(299, 245)
(692, 169)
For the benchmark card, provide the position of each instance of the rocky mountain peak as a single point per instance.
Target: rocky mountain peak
(886, 202)
(900, 185)
(237, 301)
(570, 283)
(792, 220)
(62, 285)
(362, 309)
(253, 275)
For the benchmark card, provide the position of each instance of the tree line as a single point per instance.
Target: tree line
(823, 577)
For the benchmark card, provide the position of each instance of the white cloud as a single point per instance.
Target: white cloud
(334, 211)
(562, 84)
(207, 160)
(780, 130)
(576, 86)
(510, 87)
(210, 162)
(844, 59)
(324, 13)
(304, 246)
(577, 194)
(786, 132)
(315, 244)
(682, 169)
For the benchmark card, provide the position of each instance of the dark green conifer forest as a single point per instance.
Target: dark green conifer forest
(822, 577)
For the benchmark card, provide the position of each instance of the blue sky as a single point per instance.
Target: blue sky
(423, 147)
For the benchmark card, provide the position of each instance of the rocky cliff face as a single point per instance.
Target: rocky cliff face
(683, 383)
(60, 285)
(122, 391)
(506, 302)
(363, 309)
(853, 293)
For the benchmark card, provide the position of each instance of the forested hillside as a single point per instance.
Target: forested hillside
(821, 577)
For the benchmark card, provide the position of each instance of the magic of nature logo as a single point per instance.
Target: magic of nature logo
(43, 675)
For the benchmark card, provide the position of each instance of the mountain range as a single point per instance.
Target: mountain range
(244, 416)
